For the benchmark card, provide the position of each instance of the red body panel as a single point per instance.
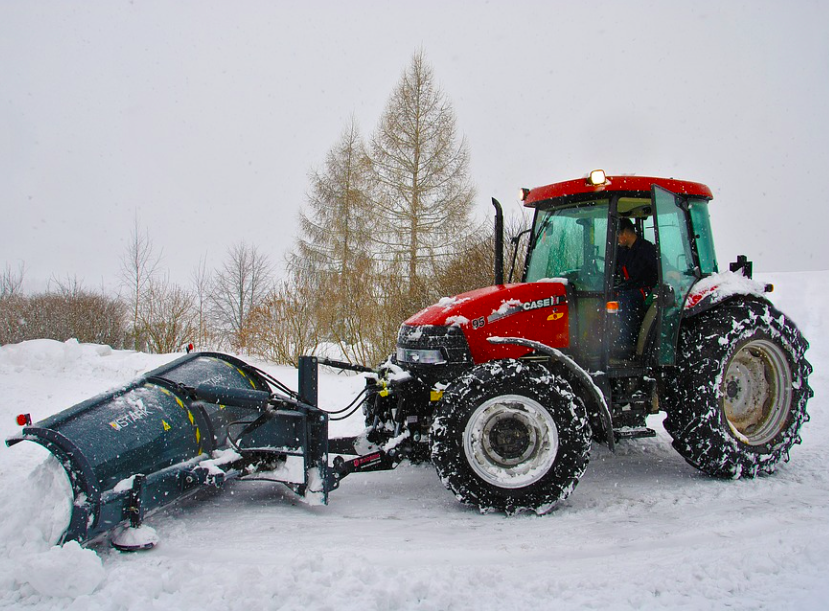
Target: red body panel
(615, 183)
(536, 311)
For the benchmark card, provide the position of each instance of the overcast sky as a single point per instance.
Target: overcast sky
(203, 119)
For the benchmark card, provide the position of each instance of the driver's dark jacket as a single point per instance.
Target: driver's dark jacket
(636, 267)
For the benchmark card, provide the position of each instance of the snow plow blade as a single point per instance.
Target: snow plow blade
(200, 420)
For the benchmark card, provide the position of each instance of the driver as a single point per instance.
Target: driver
(636, 275)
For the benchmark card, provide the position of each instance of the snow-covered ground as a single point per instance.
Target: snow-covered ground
(643, 530)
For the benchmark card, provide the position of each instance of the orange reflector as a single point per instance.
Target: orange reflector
(612, 307)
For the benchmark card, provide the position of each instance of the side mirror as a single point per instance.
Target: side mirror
(742, 264)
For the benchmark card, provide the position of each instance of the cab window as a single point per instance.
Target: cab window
(570, 243)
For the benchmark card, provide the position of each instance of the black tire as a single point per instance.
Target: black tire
(510, 436)
(737, 397)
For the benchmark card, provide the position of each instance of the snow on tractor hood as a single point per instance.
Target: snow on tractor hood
(536, 310)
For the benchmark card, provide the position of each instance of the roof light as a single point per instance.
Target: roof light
(597, 177)
(522, 196)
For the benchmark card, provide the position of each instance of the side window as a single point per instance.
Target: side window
(674, 244)
(703, 236)
(648, 230)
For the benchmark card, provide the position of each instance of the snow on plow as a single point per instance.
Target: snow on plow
(200, 420)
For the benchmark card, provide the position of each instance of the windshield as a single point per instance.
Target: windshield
(570, 243)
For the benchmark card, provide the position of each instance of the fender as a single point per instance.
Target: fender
(595, 395)
(716, 288)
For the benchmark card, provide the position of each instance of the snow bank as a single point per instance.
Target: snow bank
(47, 354)
(63, 572)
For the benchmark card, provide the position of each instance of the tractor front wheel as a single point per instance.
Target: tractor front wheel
(510, 436)
(738, 396)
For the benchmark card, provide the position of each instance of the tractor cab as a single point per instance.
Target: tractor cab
(575, 239)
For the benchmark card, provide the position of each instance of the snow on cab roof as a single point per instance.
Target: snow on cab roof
(581, 186)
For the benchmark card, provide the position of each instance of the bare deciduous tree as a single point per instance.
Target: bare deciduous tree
(11, 280)
(168, 319)
(13, 310)
(338, 225)
(202, 281)
(240, 287)
(284, 326)
(474, 266)
(138, 266)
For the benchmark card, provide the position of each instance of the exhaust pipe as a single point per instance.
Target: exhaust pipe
(499, 242)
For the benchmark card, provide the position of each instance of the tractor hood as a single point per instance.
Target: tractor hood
(537, 311)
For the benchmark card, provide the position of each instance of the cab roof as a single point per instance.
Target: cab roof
(628, 184)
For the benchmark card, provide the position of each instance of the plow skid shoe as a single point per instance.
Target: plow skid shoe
(199, 420)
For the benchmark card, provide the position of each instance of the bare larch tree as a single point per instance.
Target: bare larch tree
(422, 173)
(333, 256)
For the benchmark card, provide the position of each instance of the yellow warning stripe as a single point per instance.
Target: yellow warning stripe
(239, 371)
(190, 417)
(244, 375)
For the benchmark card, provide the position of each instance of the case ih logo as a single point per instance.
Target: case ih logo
(542, 303)
(508, 308)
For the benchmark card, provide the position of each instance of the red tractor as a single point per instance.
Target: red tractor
(505, 387)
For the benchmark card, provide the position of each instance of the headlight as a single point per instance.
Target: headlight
(420, 356)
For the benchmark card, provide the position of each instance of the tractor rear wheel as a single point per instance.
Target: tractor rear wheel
(738, 396)
(510, 436)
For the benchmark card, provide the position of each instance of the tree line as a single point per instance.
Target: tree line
(387, 229)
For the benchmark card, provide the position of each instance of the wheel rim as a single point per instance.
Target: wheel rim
(757, 392)
(511, 441)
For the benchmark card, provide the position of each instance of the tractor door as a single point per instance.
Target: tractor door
(570, 243)
(678, 269)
